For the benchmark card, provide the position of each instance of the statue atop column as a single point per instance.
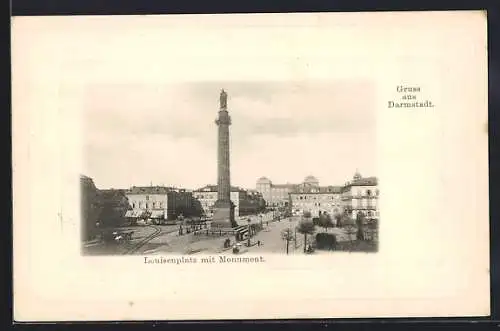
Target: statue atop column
(223, 216)
(223, 99)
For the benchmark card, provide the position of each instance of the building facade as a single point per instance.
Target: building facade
(310, 196)
(359, 195)
(90, 208)
(245, 202)
(159, 202)
(275, 195)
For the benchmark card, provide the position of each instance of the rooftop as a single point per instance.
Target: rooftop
(292, 186)
(311, 179)
(318, 190)
(213, 188)
(152, 190)
(263, 180)
(367, 181)
(112, 190)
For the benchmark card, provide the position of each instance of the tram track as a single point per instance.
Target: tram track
(157, 232)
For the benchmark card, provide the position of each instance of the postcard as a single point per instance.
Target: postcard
(250, 166)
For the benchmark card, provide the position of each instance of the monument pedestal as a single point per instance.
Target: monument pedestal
(224, 215)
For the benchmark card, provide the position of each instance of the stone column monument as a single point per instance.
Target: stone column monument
(224, 208)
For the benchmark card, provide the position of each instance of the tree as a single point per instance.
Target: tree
(338, 219)
(114, 204)
(372, 229)
(346, 219)
(305, 227)
(262, 204)
(287, 236)
(325, 221)
(360, 222)
(350, 229)
(326, 241)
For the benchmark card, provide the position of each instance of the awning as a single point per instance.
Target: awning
(157, 214)
(241, 229)
(136, 213)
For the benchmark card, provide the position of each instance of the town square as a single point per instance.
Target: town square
(285, 218)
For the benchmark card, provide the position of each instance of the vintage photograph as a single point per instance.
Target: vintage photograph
(230, 168)
(161, 158)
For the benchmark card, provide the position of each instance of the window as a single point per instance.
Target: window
(147, 206)
(133, 204)
(147, 198)
(154, 205)
(368, 192)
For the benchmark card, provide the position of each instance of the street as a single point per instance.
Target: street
(272, 242)
(165, 239)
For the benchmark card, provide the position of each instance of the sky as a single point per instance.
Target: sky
(164, 133)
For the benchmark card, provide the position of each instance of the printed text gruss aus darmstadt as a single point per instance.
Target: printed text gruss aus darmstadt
(408, 98)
